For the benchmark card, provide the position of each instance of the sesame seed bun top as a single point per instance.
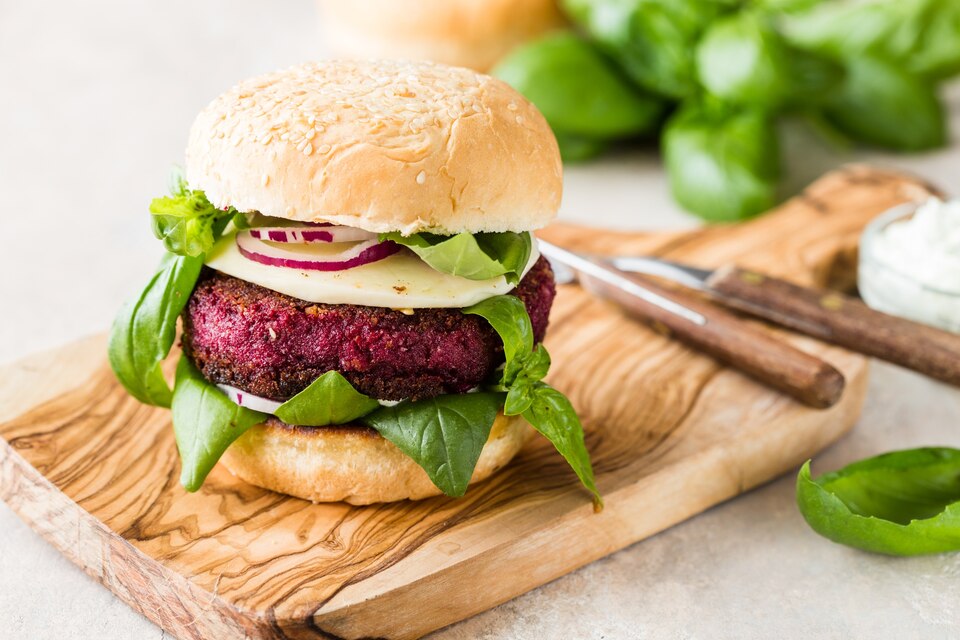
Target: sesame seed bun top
(379, 145)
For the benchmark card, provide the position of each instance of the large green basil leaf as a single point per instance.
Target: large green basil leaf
(577, 90)
(205, 423)
(541, 405)
(919, 36)
(330, 399)
(901, 503)
(881, 104)
(742, 59)
(185, 221)
(477, 256)
(552, 415)
(444, 435)
(723, 164)
(508, 317)
(652, 40)
(145, 328)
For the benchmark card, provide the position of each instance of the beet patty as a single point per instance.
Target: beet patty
(273, 345)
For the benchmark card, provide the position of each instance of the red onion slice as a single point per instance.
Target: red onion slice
(311, 233)
(248, 400)
(354, 256)
(266, 405)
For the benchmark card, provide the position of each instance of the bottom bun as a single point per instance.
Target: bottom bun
(351, 463)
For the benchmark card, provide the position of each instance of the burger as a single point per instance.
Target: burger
(361, 300)
(469, 33)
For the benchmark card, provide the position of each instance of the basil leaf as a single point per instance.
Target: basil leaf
(330, 399)
(814, 78)
(541, 405)
(577, 89)
(723, 164)
(787, 6)
(653, 40)
(535, 366)
(444, 435)
(901, 503)
(145, 328)
(508, 317)
(531, 370)
(881, 104)
(578, 148)
(205, 423)
(742, 59)
(519, 399)
(552, 415)
(473, 256)
(920, 36)
(185, 221)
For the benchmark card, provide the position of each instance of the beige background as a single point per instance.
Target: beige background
(95, 102)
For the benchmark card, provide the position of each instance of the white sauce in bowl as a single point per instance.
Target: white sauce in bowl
(924, 246)
(910, 263)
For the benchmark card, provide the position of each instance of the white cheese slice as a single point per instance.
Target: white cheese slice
(401, 281)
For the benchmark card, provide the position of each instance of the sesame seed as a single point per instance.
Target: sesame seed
(421, 177)
(519, 119)
(386, 99)
(265, 180)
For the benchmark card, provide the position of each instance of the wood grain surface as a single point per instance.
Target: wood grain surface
(671, 433)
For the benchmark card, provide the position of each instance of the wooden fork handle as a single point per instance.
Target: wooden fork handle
(841, 320)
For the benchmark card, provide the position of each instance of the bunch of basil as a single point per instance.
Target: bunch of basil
(444, 435)
(713, 76)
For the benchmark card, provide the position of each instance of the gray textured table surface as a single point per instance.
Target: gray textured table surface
(95, 102)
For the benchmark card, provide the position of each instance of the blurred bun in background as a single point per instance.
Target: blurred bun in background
(465, 33)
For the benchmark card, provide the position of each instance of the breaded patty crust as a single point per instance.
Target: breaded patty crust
(273, 345)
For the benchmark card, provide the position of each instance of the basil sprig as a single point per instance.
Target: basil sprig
(145, 328)
(444, 435)
(902, 503)
(479, 256)
(330, 399)
(548, 410)
(205, 423)
(185, 221)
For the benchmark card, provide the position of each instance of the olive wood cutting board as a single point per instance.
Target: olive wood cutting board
(670, 431)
